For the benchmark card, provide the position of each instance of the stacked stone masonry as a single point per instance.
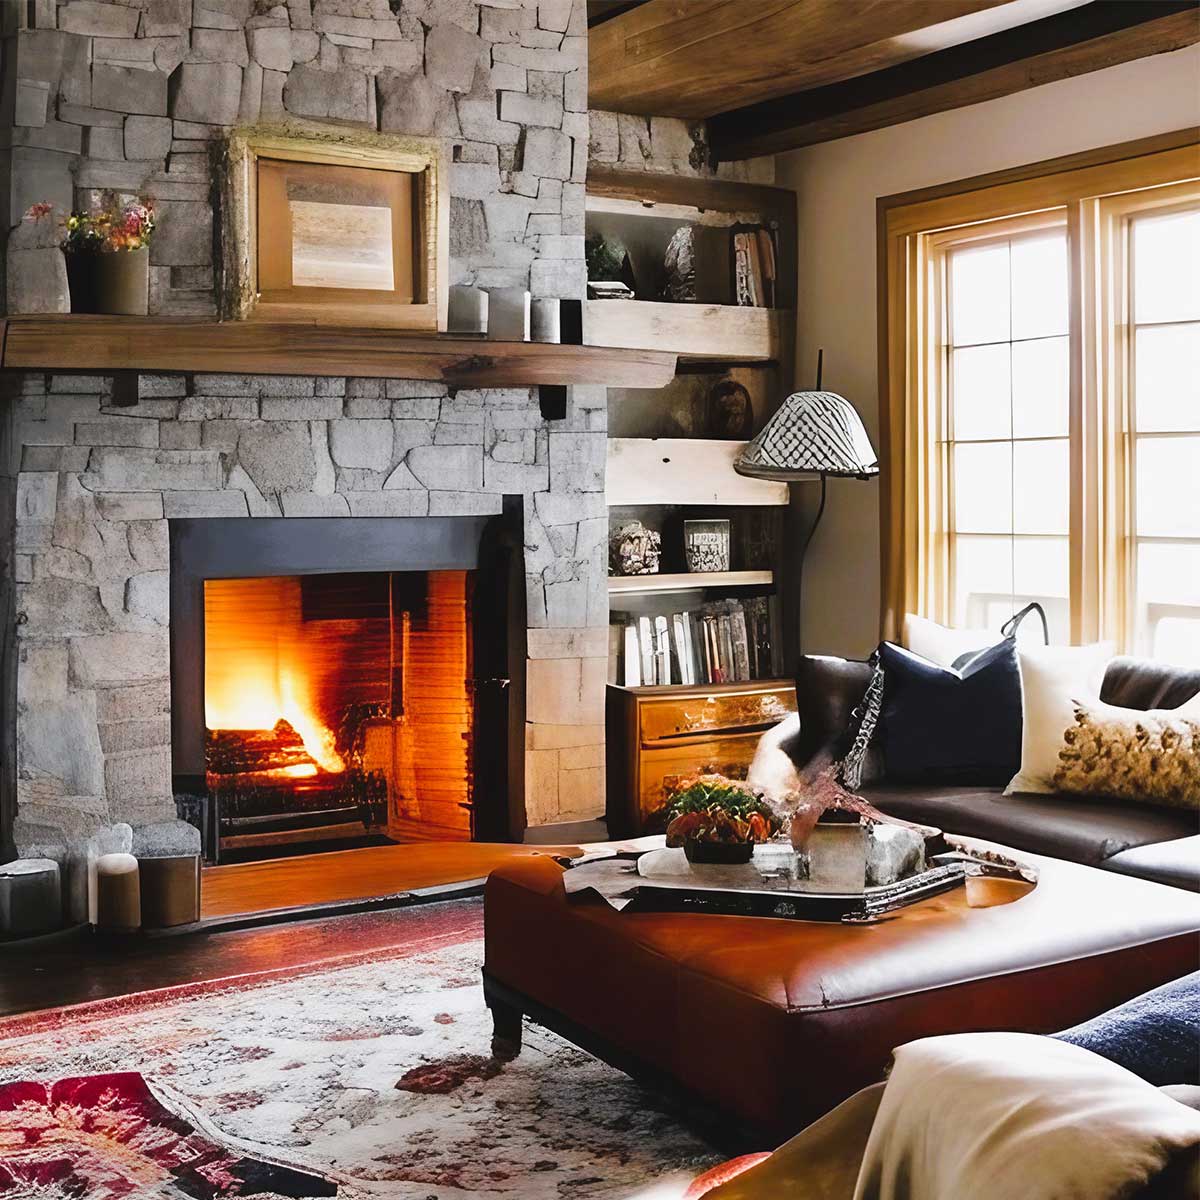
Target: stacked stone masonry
(96, 486)
(131, 96)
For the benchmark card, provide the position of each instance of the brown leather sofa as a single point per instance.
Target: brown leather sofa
(1161, 844)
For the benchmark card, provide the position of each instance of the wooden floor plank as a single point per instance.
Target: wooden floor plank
(312, 879)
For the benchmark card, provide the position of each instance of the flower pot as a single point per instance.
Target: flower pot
(122, 281)
(696, 851)
(81, 281)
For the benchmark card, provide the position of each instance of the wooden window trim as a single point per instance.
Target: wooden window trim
(905, 225)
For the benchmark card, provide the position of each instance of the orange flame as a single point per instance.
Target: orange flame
(252, 679)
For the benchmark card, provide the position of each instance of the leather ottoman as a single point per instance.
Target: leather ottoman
(771, 1023)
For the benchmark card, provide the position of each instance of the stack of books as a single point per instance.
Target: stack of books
(725, 641)
(754, 270)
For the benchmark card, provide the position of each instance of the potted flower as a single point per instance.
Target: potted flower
(108, 258)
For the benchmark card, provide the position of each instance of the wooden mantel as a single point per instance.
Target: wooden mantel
(107, 345)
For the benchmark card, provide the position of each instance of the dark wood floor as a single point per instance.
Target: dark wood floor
(88, 968)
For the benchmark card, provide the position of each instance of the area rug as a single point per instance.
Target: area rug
(106, 1136)
(376, 1073)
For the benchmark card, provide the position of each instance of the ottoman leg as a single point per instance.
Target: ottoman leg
(506, 1025)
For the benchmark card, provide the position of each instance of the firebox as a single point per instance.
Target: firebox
(340, 682)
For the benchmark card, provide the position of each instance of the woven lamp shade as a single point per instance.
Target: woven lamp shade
(812, 433)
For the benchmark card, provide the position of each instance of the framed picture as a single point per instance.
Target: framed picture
(335, 227)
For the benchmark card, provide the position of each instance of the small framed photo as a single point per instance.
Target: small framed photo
(706, 545)
(335, 227)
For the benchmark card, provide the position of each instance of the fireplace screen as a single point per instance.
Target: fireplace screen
(338, 707)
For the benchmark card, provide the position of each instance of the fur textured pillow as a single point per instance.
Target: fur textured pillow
(1150, 756)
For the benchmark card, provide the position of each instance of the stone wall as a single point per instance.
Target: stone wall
(130, 96)
(667, 145)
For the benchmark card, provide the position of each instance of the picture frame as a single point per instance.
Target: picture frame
(334, 226)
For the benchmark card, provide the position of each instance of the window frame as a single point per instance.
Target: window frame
(1091, 191)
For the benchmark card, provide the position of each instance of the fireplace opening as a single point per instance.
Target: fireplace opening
(338, 708)
(343, 682)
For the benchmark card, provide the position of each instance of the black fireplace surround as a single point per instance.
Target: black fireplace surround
(491, 547)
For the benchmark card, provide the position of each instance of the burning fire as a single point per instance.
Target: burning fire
(252, 680)
(256, 700)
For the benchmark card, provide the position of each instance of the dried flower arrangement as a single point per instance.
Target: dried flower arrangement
(110, 227)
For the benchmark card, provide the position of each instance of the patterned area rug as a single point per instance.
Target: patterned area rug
(109, 1135)
(376, 1075)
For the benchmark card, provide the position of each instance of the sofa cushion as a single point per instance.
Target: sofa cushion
(1153, 1035)
(1175, 862)
(1083, 830)
(946, 726)
(1144, 683)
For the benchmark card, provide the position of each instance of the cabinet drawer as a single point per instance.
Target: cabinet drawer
(668, 718)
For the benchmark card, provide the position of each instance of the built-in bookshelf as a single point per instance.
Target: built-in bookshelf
(672, 449)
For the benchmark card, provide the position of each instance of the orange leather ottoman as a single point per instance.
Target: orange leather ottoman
(771, 1022)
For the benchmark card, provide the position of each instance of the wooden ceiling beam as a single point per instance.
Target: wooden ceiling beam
(695, 58)
(1099, 35)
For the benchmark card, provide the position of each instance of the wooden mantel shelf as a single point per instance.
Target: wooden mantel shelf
(103, 345)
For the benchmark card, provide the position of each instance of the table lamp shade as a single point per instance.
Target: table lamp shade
(813, 432)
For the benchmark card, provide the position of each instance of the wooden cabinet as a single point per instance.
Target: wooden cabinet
(656, 734)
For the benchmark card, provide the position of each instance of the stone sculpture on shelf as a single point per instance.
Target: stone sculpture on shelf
(634, 550)
(679, 264)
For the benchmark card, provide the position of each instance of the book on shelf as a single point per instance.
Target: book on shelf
(723, 641)
(754, 265)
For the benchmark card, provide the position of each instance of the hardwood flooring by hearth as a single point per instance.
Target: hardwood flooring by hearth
(339, 875)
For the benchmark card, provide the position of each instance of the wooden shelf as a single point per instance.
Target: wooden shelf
(102, 345)
(717, 332)
(646, 585)
(683, 471)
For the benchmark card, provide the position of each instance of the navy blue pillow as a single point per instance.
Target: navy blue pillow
(943, 725)
(1153, 1035)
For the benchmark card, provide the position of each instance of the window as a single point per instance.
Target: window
(1164, 349)
(1006, 428)
(1041, 399)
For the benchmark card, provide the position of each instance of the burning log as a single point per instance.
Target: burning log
(254, 751)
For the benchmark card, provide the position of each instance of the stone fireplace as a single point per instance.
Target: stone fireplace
(133, 97)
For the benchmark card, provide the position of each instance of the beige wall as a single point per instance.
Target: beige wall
(838, 183)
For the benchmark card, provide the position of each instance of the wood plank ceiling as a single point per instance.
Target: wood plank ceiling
(771, 75)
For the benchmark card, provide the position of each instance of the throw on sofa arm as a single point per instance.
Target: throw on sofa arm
(773, 767)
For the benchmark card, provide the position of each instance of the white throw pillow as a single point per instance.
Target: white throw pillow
(941, 644)
(1053, 680)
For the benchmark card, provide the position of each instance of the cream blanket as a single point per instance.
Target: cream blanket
(990, 1116)
(1011, 1116)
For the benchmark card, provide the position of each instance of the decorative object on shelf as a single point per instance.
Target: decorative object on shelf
(730, 411)
(706, 545)
(753, 262)
(467, 310)
(679, 264)
(343, 226)
(30, 897)
(508, 315)
(609, 269)
(634, 550)
(813, 432)
(544, 322)
(107, 253)
(36, 280)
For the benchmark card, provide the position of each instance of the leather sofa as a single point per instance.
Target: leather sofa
(1160, 844)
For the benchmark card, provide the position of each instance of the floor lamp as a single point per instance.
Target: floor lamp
(813, 433)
